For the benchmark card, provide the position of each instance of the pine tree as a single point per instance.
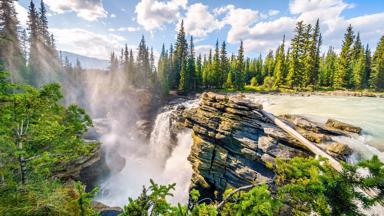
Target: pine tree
(43, 25)
(358, 63)
(367, 72)
(180, 56)
(191, 67)
(328, 68)
(199, 73)
(279, 67)
(163, 72)
(11, 52)
(377, 74)
(183, 83)
(343, 73)
(224, 64)
(143, 67)
(238, 79)
(295, 65)
(229, 81)
(34, 61)
(359, 70)
(268, 67)
(216, 73)
(312, 54)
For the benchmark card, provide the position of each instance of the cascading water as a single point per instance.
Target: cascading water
(162, 159)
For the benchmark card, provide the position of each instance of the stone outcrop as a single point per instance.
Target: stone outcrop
(90, 168)
(235, 145)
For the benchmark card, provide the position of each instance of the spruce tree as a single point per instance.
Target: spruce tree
(359, 70)
(11, 52)
(268, 65)
(238, 79)
(343, 73)
(367, 72)
(191, 67)
(224, 64)
(183, 82)
(143, 66)
(357, 64)
(377, 74)
(180, 57)
(132, 76)
(328, 68)
(34, 61)
(216, 73)
(163, 72)
(295, 65)
(199, 73)
(43, 25)
(279, 67)
(312, 54)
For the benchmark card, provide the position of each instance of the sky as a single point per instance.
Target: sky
(95, 28)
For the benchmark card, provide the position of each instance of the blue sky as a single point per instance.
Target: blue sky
(97, 27)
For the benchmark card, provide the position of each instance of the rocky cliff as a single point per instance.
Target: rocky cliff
(235, 145)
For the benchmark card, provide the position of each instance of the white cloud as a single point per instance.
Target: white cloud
(260, 35)
(90, 10)
(240, 20)
(153, 14)
(124, 29)
(273, 12)
(113, 15)
(199, 21)
(88, 43)
(203, 49)
(22, 14)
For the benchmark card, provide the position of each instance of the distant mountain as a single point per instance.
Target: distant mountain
(86, 62)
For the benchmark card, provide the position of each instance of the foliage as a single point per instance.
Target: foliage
(38, 137)
(303, 186)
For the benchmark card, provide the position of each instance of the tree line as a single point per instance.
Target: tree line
(300, 67)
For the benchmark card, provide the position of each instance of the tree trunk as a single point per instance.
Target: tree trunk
(23, 165)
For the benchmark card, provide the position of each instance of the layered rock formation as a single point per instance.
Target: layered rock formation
(235, 145)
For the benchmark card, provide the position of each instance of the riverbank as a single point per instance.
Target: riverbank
(308, 93)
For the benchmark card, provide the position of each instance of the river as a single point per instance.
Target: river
(365, 112)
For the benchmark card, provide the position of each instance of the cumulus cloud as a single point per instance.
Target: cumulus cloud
(203, 49)
(88, 43)
(199, 21)
(90, 10)
(154, 14)
(260, 35)
(124, 29)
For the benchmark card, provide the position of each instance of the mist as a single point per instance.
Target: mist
(119, 111)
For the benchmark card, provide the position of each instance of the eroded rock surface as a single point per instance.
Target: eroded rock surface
(235, 145)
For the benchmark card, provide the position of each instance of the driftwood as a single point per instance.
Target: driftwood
(313, 148)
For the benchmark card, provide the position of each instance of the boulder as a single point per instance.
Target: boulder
(105, 210)
(332, 123)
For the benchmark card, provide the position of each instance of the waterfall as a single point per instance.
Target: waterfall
(164, 160)
(160, 143)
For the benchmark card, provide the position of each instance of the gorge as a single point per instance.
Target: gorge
(215, 142)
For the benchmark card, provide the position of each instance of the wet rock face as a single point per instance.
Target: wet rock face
(235, 145)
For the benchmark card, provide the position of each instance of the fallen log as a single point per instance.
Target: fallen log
(313, 148)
